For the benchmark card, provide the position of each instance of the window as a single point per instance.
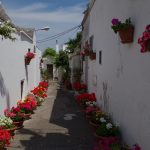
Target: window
(100, 57)
(91, 42)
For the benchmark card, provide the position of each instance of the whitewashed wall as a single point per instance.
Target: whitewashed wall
(123, 78)
(12, 71)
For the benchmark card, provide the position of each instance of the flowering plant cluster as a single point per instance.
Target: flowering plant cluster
(106, 131)
(25, 107)
(5, 137)
(144, 40)
(83, 98)
(79, 86)
(117, 25)
(91, 109)
(30, 55)
(39, 92)
(15, 114)
(15, 117)
(6, 123)
(43, 84)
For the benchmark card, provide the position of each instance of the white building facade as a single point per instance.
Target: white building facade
(16, 78)
(120, 74)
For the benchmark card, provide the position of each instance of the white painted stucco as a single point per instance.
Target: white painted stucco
(123, 78)
(13, 70)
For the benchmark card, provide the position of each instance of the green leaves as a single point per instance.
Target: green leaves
(73, 43)
(62, 60)
(6, 30)
(49, 52)
(121, 25)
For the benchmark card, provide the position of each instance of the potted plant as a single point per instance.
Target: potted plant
(29, 55)
(98, 118)
(92, 55)
(83, 98)
(16, 115)
(107, 130)
(86, 49)
(39, 92)
(125, 29)
(144, 40)
(90, 110)
(5, 138)
(7, 124)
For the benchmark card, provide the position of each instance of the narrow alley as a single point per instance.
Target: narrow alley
(58, 124)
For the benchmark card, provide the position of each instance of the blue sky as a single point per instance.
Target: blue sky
(59, 15)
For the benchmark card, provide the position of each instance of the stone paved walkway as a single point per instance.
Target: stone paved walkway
(57, 125)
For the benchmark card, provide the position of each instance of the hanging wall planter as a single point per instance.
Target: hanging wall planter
(87, 49)
(126, 34)
(92, 56)
(29, 55)
(125, 30)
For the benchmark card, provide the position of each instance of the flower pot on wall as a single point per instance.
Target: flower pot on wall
(87, 52)
(126, 34)
(92, 56)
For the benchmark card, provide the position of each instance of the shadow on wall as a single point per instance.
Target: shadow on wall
(3, 91)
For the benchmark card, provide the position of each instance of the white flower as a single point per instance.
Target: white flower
(102, 120)
(109, 125)
(91, 105)
(95, 103)
(4, 121)
(87, 103)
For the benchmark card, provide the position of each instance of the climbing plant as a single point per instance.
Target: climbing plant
(6, 30)
(73, 43)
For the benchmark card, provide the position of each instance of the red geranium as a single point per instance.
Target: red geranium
(79, 86)
(5, 137)
(15, 114)
(85, 97)
(43, 84)
(39, 92)
(30, 55)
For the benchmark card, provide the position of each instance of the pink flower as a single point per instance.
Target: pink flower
(115, 21)
(136, 147)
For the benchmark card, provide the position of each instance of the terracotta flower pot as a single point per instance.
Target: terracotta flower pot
(126, 35)
(2, 146)
(18, 124)
(87, 52)
(92, 56)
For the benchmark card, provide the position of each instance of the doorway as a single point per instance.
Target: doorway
(50, 70)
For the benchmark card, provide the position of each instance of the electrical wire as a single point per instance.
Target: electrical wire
(58, 35)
